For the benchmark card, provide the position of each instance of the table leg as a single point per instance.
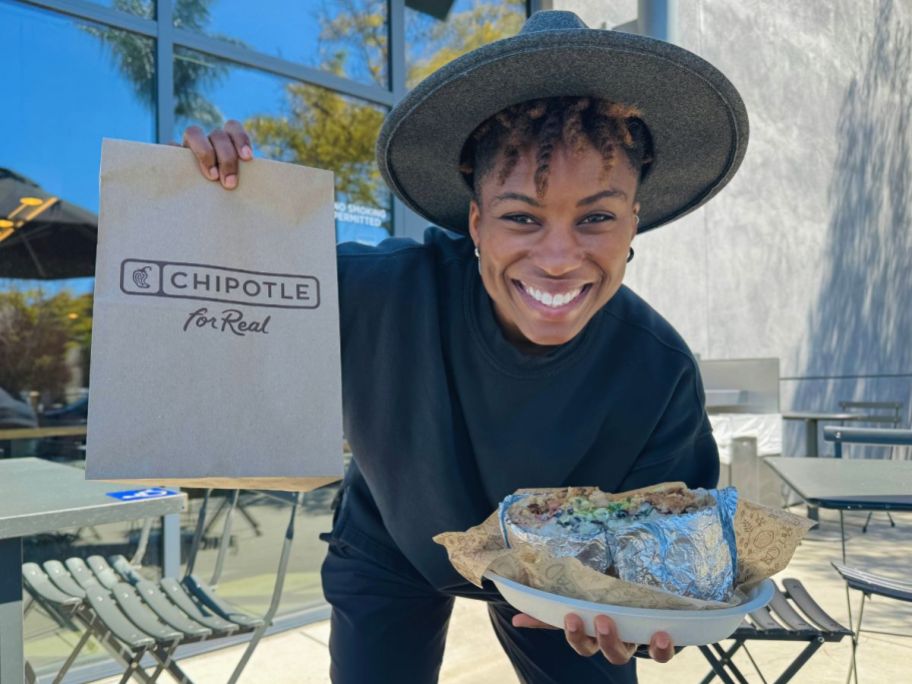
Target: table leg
(171, 545)
(12, 658)
(810, 440)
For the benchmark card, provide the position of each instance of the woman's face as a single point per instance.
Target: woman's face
(550, 265)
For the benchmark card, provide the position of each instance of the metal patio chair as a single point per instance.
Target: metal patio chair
(884, 437)
(133, 617)
(870, 585)
(93, 606)
(887, 413)
(791, 616)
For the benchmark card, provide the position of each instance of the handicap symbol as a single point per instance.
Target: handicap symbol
(141, 494)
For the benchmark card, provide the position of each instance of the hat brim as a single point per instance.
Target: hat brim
(697, 119)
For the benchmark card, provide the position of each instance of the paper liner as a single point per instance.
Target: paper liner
(766, 539)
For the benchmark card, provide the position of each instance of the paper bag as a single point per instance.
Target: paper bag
(215, 344)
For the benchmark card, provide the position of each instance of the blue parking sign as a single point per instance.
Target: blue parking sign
(143, 494)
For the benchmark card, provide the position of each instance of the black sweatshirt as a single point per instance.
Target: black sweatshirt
(445, 417)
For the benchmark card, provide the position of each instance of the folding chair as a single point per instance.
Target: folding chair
(132, 617)
(93, 607)
(884, 437)
(792, 615)
(887, 413)
(870, 585)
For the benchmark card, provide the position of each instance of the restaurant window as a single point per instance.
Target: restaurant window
(439, 31)
(139, 8)
(293, 122)
(56, 70)
(348, 38)
(87, 70)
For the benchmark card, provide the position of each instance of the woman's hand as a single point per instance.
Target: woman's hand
(218, 152)
(661, 648)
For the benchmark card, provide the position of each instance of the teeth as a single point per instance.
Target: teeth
(552, 300)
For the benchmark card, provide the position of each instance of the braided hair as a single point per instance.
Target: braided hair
(545, 123)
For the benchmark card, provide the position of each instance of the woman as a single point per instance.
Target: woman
(511, 355)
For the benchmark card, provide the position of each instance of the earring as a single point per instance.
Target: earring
(477, 255)
(630, 256)
(637, 217)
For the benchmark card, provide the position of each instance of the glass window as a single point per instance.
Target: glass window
(252, 558)
(141, 8)
(431, 42)
(345, 37)
(293, 122)
(57, 72)
(66, 84)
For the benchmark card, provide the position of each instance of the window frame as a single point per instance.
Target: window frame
(167, 38)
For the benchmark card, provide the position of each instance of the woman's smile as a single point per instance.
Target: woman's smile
(553, 301)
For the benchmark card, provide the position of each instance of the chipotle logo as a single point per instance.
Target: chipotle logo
(218, 284)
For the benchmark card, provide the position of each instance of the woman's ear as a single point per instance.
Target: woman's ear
(474, 218)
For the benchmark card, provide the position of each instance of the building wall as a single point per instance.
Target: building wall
(807, 254)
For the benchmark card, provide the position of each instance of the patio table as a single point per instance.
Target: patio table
(811, 421)
(9, 435)
(37, 497)
(862, 484)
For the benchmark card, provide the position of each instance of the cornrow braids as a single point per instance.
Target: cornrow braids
(546, 123)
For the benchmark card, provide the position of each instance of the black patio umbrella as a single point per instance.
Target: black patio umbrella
(43, 236)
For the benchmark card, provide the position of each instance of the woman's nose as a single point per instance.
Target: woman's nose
(559, 251)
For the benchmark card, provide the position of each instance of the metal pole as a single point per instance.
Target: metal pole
(164, 72)
(12, 660)
(171, 545)
(658, 19)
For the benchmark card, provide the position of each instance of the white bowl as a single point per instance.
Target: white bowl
(636, 625)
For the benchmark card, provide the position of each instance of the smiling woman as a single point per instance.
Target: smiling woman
(506, 353)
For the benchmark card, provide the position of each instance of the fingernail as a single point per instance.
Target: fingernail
(602, 628)
(213, 173)
(570, 626)
(230, 181)
(662, 642)
(246, 152)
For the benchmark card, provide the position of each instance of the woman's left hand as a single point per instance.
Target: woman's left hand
(661, 648)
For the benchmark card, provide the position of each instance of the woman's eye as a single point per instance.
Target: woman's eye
(520, 219)
(599, 218)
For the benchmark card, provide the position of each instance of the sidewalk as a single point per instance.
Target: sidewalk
(473, 655)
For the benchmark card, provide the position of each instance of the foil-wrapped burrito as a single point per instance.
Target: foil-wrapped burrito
(676, 539)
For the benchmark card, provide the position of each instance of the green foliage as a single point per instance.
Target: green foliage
(436, 43)
(359, 26)
(326, 131)
(135, 57)
(35, 333)
(331, 131)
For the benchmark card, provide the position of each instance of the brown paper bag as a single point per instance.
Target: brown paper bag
(215, 343)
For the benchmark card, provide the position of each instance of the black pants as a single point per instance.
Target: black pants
(389, 626)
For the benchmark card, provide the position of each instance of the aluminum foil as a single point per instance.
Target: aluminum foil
(691, 554)
(590, 548)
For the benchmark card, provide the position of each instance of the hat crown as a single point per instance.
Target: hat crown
(552, 20)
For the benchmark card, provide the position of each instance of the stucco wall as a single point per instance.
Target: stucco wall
(807, 254)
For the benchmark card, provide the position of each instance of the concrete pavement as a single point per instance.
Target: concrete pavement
(473, 655)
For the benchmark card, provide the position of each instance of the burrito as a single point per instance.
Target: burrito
(670, 537)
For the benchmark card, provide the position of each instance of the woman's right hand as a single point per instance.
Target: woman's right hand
(217, 153)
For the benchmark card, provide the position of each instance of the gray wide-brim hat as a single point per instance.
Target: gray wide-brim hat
(696, 117)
